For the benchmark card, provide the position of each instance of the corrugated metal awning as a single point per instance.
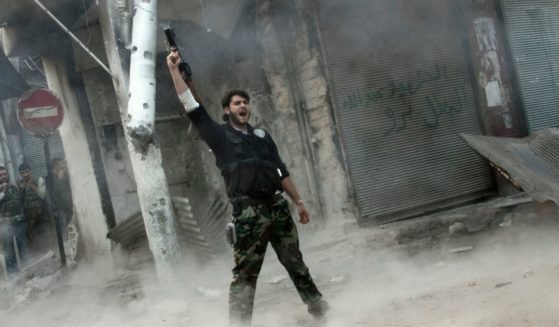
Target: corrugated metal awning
(531, 162)
(12, 85)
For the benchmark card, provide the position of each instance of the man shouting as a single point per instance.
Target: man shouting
(255, 177)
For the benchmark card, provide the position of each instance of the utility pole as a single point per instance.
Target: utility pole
(145, 154)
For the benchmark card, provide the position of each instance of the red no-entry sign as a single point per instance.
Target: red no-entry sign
(40, 112)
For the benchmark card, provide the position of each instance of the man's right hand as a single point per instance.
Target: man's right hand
(173, 60)
(179, 80)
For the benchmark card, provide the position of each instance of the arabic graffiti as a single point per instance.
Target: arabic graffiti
(437, 108)
(399, 122)
(434, 105)
(395, 89)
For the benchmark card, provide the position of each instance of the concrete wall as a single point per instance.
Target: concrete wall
(85, 191)
(294, 68)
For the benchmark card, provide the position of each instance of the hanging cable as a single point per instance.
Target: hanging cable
(86, 22)
(74, 38)
(35, 65)
(204, 18)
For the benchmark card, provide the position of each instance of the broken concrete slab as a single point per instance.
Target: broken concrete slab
(46, 265)
(475, 218)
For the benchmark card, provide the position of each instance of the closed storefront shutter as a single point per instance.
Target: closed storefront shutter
(402, 93)
(533, 32)
(34, 153)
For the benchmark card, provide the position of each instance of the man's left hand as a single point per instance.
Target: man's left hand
(304, 216)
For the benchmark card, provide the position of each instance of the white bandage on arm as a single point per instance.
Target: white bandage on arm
(188, 101)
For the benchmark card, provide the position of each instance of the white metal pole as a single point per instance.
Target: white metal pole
(141, 92)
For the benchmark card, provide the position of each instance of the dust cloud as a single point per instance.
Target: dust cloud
(507, 278)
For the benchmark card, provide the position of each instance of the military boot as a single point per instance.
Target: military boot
(318, 309)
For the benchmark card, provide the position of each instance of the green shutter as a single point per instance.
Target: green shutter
(533, 32)
(402, 91)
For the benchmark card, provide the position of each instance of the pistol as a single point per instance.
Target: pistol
(184, 67)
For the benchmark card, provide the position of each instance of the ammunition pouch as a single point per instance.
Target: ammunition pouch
(231, 234)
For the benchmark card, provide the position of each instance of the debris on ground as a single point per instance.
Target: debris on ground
(456, 228)
(208, 292)
(498, 285)
(337, 279)
(507, 220)
(461, 249)
(527, 273)
(277, 279)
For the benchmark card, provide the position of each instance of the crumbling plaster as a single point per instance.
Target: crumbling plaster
(312, 87)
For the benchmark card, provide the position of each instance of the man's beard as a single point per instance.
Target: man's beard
(236, 119)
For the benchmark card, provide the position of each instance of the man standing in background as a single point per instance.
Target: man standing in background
(12, 221)
(32, 190)
(61, 192)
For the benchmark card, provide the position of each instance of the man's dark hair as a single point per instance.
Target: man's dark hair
(3, 168)
(55, 162)
(226, 100)
(23, 166)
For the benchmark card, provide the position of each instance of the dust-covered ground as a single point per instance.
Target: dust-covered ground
(505, 275)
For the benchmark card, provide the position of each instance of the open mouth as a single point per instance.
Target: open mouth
(243, 113)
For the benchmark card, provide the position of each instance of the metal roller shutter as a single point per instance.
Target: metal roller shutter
(533, 32)
(34, 153)
(402, 92)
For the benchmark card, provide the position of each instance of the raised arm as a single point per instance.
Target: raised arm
(208, 129)
(185, 90)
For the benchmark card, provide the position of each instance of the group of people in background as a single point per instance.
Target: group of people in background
(28, 207)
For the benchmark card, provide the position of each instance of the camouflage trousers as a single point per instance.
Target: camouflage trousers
(256, 226)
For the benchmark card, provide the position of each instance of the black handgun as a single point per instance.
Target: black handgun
(184, 67)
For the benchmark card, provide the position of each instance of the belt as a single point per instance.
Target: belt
(244, 200)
